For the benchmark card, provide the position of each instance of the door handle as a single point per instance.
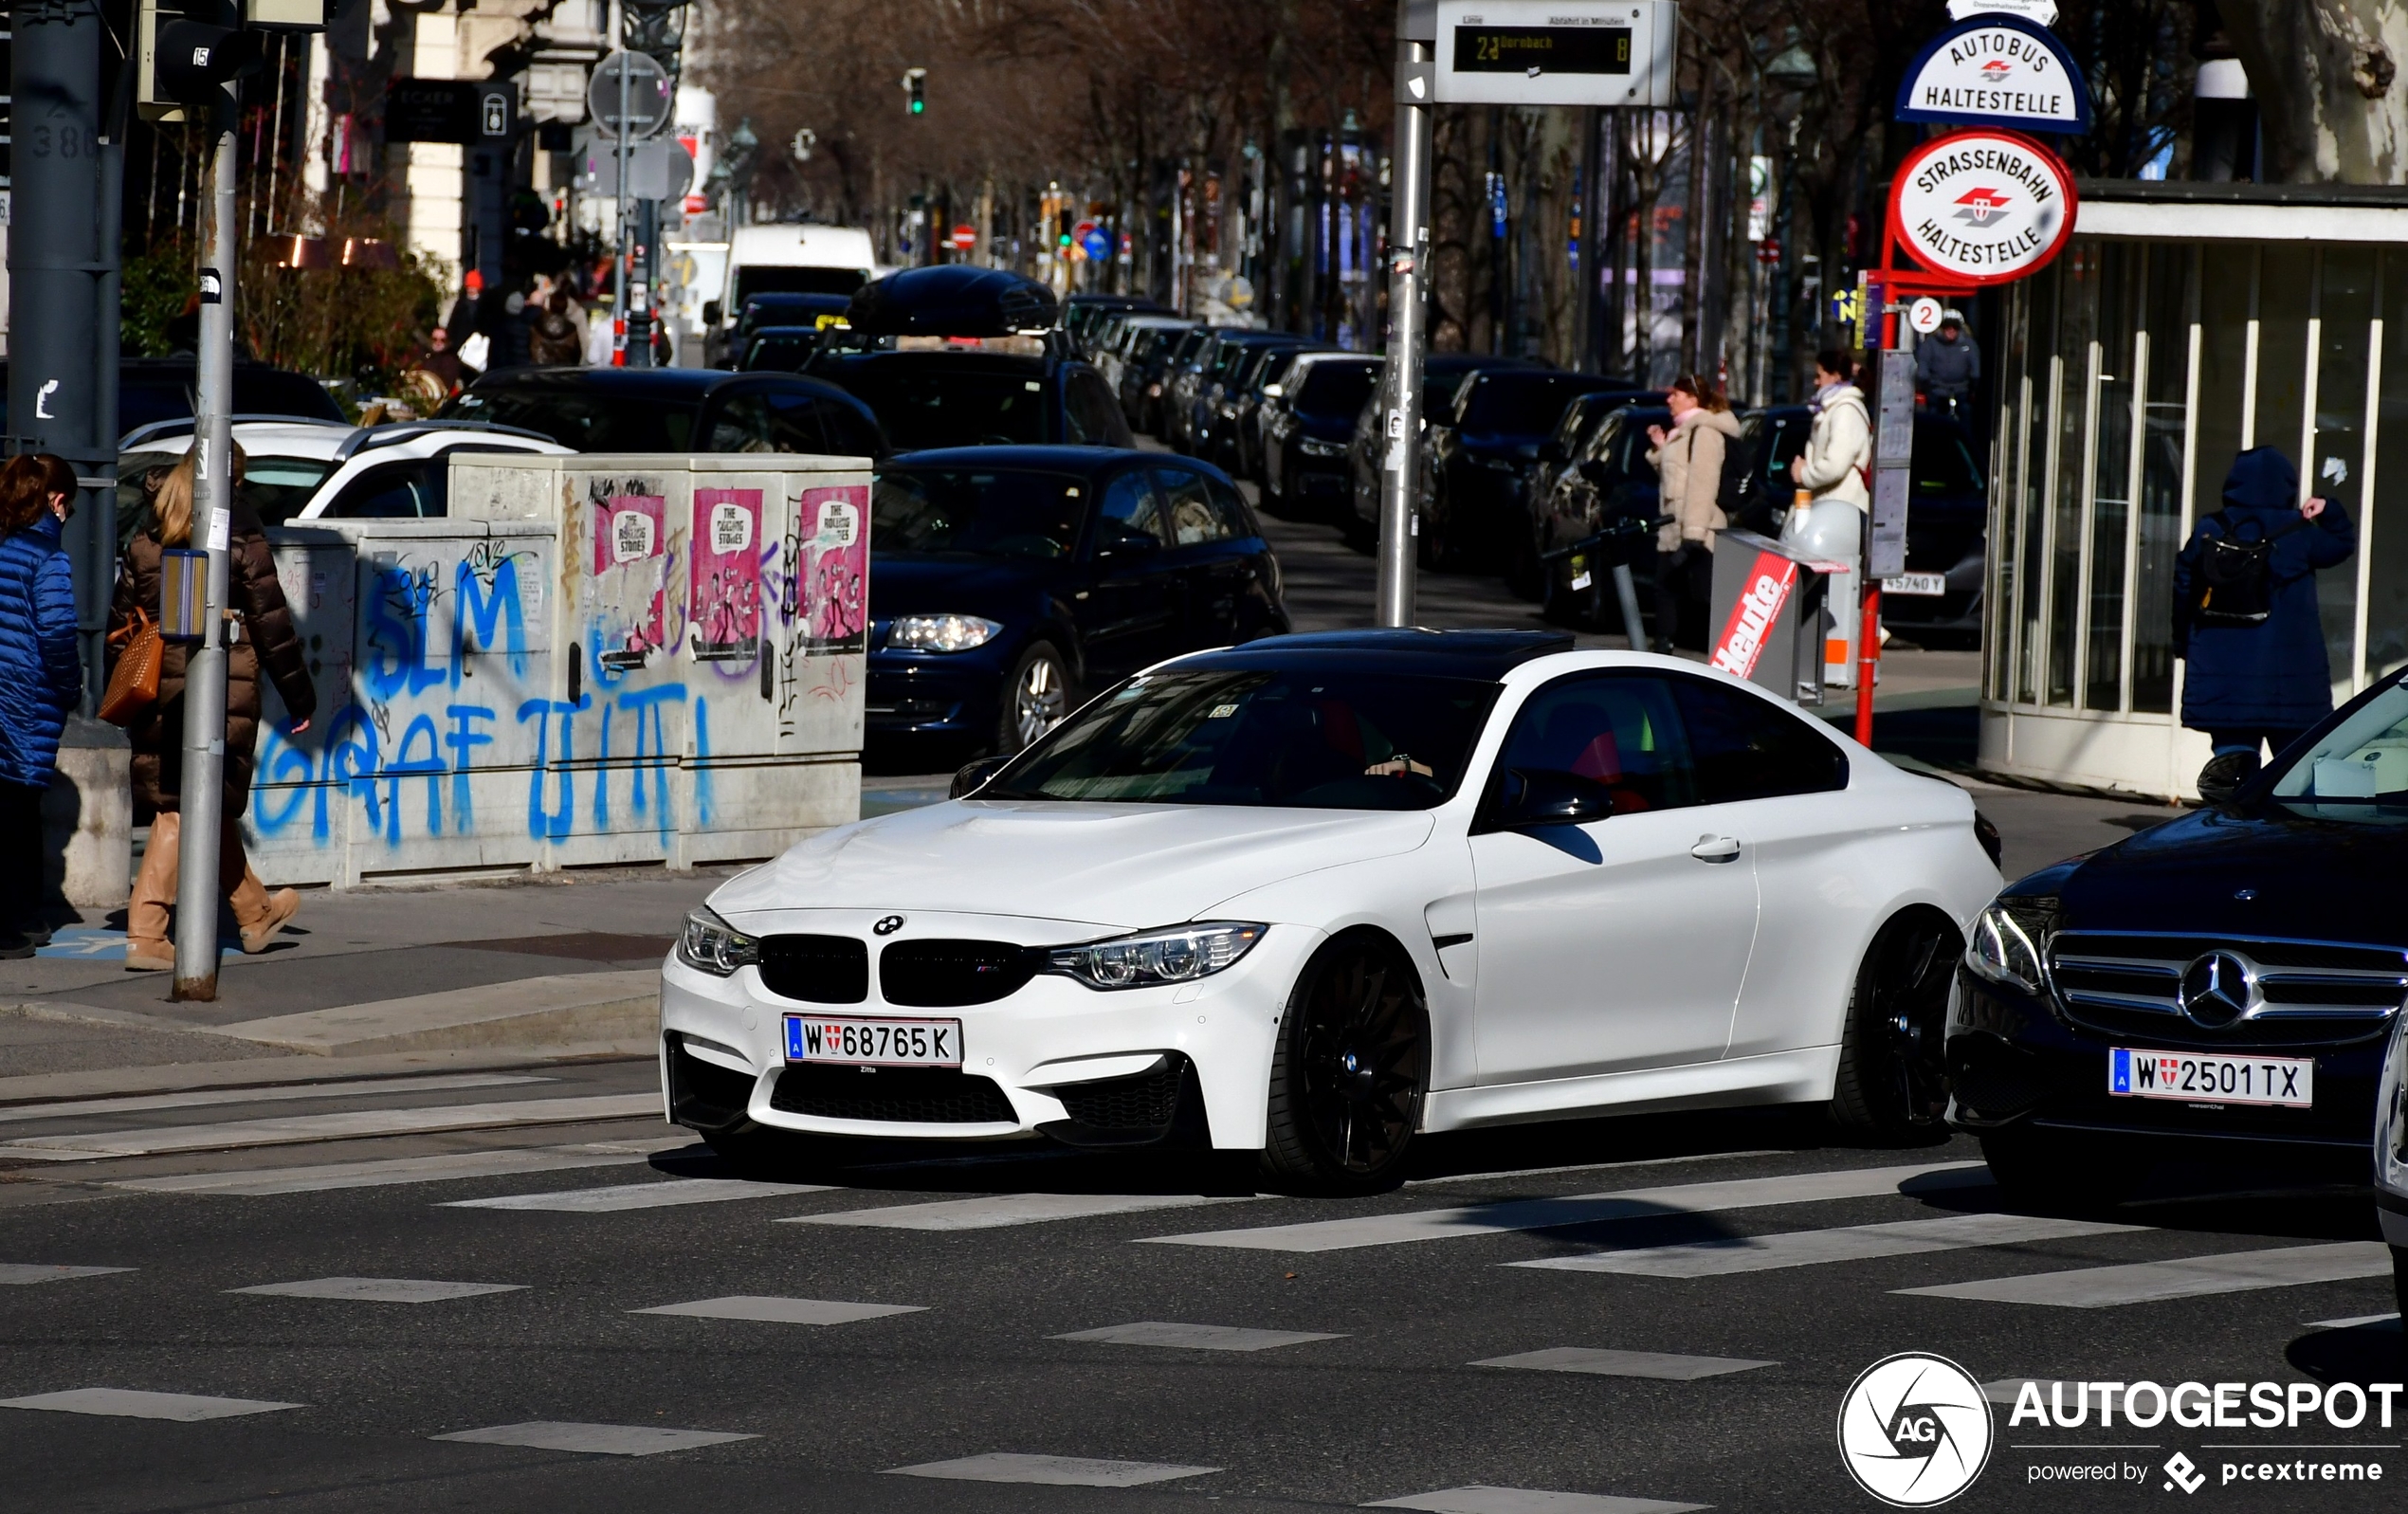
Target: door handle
(1716, 849)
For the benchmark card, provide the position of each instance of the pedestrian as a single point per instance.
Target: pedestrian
(1688, 461)
(1946, 368)
(260, 641)
(1834, 470)
(2245, 617)
(558, 336)
(41, 677)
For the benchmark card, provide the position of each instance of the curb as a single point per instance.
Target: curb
(618, 1007)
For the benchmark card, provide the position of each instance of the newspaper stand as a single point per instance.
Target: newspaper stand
(1776, 609)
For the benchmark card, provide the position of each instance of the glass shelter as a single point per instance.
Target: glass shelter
(2183, 323)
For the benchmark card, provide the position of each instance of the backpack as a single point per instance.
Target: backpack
(1735, 490)
(2235, 581)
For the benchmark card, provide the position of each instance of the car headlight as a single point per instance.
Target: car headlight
(1177, 954)
(940, 633)
(710, 944)
(1313, 449)
(2010, 942)
(2391, 1114)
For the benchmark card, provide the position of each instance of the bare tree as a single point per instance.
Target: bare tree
(2323, 72)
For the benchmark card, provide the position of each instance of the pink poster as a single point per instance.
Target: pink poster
(725, 603)
(627, 528)
(832, 529)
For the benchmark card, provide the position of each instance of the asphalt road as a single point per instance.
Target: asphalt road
(932, 1318)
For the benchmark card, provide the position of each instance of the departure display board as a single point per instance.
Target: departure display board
(1554, 52)
(1487, 49)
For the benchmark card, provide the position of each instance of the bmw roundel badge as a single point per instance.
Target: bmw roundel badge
(888, 926)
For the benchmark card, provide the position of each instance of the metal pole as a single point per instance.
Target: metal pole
(1407, 325)
(55, 254)
(201, 792)
(618, 206)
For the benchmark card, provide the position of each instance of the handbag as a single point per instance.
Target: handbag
(133, 687)
(2234, 584)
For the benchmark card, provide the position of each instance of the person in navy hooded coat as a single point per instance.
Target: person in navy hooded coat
(2266, 683)
(40, 677)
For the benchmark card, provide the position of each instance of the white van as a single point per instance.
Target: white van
(825, 260)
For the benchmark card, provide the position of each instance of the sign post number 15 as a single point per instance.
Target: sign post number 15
(1557, 52)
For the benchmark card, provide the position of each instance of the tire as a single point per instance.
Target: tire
(1349, 1072)
(1892, 1086)
(1034, 698)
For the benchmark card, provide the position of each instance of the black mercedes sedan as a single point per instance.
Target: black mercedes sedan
(1005, 582)
(2220, 988)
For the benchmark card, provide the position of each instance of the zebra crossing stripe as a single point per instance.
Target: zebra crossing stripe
(1845, 1243)
(1479, 1500)
(199, 1097)
(344, 1125)
(661, 1194)
(1053, 1471)
(500, 1162)
(1590, 1209)
(132, 1403)
(994, 1210)
(2104, 1288)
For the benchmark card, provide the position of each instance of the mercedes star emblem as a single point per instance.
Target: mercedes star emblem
(889, 925)
(2217, 989)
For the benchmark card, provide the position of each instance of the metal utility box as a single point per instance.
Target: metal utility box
(1779, 615)
(591, 661)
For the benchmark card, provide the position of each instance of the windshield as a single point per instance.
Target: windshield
(1337, 389)
(2358, 769)
(768, 279)
(940, 404)
(278, 487)
(583, 420)
(985, 513)
(1263, 739)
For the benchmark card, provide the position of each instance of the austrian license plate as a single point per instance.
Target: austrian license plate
(1916, 583)
(874, 1043)
(2284, 1081)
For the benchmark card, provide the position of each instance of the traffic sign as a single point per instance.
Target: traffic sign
(1557, 52)
(649, 93)
(1997, 70)
(658, 170)
(1924, 315)
(1097, 243)
(966, 238)
(1079, 235)
(1982, 206)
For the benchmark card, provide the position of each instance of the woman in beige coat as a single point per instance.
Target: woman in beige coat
(1688, 461)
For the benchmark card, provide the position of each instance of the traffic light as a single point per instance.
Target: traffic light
(1062, 228)
(188, 50)
(915, 82)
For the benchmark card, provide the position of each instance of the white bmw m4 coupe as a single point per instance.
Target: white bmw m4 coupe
(1317, 895)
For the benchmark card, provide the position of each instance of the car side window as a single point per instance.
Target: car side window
(1230, 507)
(1189, 509)
(1091, 408)
(1130, 506)
(395, 491)
(1622, 730)
(852, 434)
(1750, 748)
(767, 421)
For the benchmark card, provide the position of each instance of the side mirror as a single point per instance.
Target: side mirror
(1596, 474)
(974, 777)
(711, 312)
(1544, 796)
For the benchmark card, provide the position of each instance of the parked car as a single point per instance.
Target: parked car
(1480, 447)
(1305, 430)
(2391, 1158)
(1442, 373)
(1186, 380)
(1267, 873)
(1215, 372)
(1234, 401)
(1608, 480)
(673, 410)
(2222, 988)
(1526, 572)
(151, 389)
(1135, 340)
(1003, 582)
(1155, 363)
(298, 471)
(1246, 406)
(955, 355)
(779, 349)
(1083, 315)
(789, 310)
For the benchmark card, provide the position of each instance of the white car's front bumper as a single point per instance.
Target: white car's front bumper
(1052, 1032)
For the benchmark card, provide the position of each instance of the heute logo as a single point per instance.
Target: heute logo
(1978, 205)
(1915, 1430)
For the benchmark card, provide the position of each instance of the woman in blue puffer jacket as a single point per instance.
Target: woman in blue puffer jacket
(40, 677)
(2259, 685)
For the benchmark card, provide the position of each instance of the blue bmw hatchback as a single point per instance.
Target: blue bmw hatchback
(1006, 582)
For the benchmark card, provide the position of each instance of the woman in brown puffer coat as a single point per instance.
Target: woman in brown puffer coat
(259, 637)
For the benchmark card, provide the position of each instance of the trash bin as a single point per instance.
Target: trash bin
(1783, 616)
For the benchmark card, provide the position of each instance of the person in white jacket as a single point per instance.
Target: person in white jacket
(1688, 461)
(1839, 449)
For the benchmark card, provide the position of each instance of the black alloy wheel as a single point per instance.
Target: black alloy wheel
(1893, 1084)
(1352, 1065)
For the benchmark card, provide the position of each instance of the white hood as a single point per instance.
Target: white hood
(1128, 866)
